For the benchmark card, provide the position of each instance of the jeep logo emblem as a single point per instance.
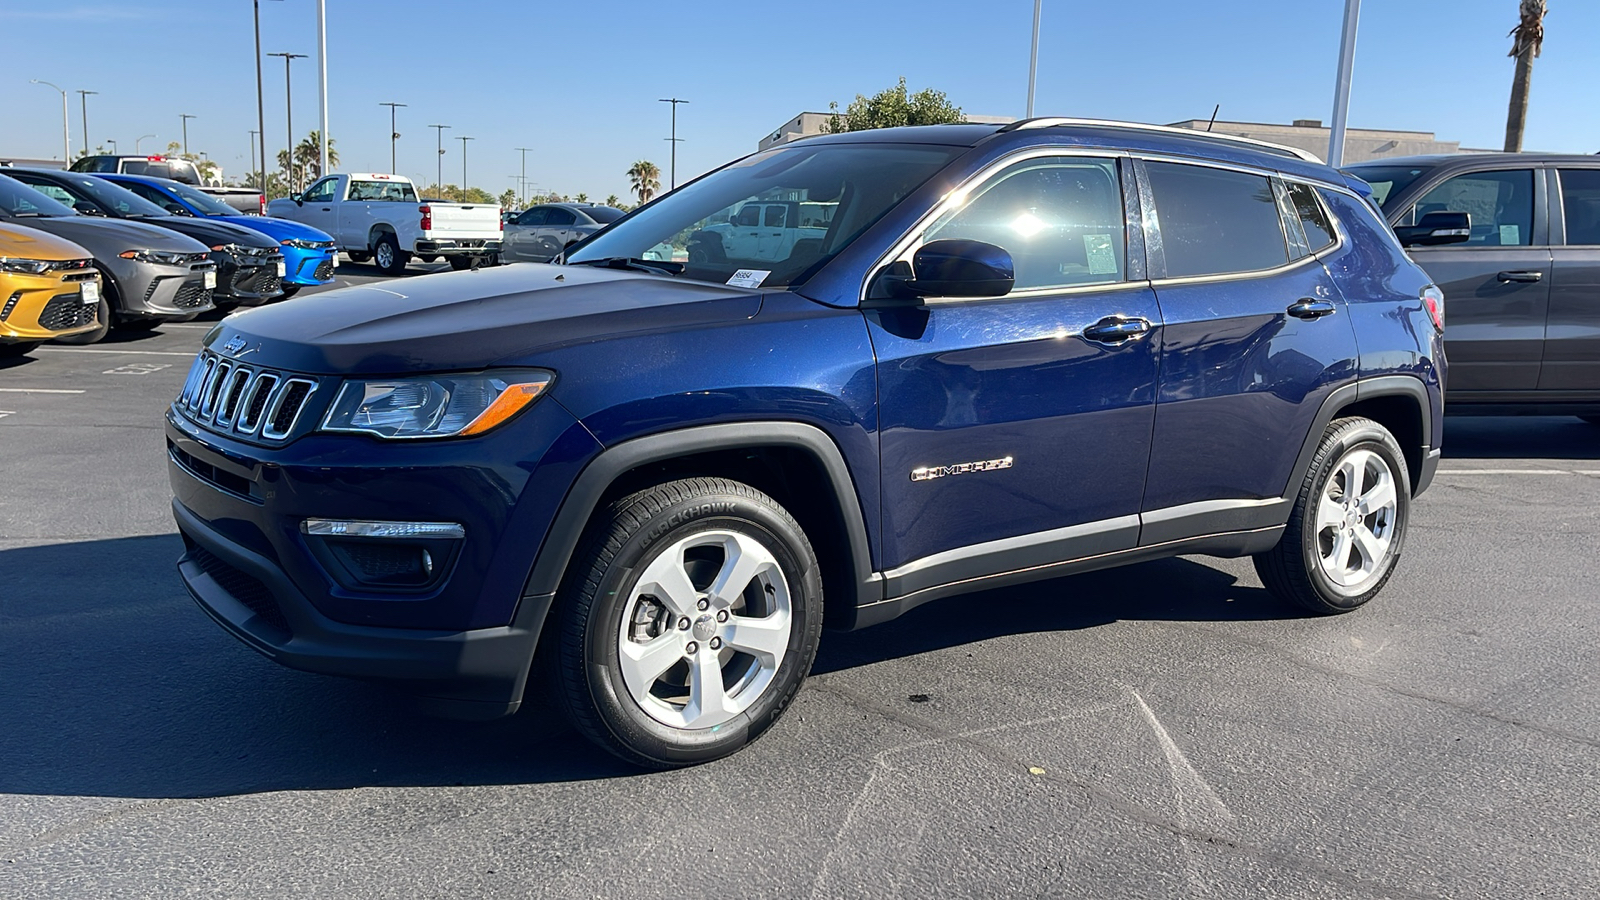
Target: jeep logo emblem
(234, 344)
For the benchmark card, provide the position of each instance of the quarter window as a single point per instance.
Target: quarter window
(1060, 218)
(1580, 202)
(1313, 218)
(1216, 221)
(1500, 204)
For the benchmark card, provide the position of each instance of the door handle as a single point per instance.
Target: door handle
(1312, 309)
(1116, 329)
(1523, 277)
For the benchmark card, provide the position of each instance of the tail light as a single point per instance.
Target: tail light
(427, 217)
(1433, 302)
(261, 203)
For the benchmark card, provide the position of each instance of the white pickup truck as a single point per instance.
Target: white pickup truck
(378, 217)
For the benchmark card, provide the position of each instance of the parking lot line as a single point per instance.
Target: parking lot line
(39, 391)
(109, 350)
(1507, 472)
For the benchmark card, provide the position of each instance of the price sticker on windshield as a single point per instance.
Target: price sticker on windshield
(749, 278)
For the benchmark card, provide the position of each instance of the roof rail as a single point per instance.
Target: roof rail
(1053, 121)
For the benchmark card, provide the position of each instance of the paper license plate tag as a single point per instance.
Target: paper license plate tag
(89, 293)
(211, 280)
(282, 268)
(335, 258)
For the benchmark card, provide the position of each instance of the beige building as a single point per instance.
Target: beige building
(1360, 144)
(807, 124)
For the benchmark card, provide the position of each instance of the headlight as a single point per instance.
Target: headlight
(436, 406)
(160, 257)
(298, 244)
(230, 249)
(26, 266)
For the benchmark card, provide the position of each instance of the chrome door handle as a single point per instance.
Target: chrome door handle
(1116, 329)
(1312, 309)
(1522, 277)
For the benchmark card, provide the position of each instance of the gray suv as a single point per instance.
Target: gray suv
(1514, 241)
(540, 233)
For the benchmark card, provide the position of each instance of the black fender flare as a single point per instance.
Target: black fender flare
(583, 498)
(1368, 389)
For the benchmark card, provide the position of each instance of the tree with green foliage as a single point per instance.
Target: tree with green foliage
(508, 200)
(614, 201)
(891, 108)
(645, 176)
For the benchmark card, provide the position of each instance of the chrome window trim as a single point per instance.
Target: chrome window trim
(958, 195)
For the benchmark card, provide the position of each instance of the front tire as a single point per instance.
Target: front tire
(388, 256)
(687, 623)
(463, 263)
(289, 290)
(1348, 526)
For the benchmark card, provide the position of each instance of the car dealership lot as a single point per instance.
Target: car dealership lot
(1164, 731)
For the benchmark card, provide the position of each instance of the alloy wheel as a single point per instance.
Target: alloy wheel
(1356, 517)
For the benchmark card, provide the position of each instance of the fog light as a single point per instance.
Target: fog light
(365, 529)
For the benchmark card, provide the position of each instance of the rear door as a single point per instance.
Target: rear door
(1497, 284)
(1255, 336)
(770, 242)
(1572, 332)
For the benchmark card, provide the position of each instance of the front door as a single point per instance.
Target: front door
(317, 209)
(1572, 334)
(1015, 419)
(1497, 284)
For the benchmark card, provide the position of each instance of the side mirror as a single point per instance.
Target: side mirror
(177, 209)
(1436, 228)
(85, 208)
(299, 199)
(959, 268)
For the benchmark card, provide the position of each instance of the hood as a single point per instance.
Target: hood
(278, 230)
(106, 238)
(27, 243)
(212, 231)
(461, 321)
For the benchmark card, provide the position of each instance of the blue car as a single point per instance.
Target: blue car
(308, 254)
(953, 358)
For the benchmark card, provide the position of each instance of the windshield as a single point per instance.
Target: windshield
(176, 169)
(200, 200)
(780, 213)
(17, 199)
(1387, 181)
(122, 203)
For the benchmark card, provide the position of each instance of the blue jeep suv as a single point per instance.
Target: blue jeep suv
(955, 357)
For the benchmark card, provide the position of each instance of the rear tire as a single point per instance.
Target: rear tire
(388, 256)
(463, 263)
(688, 620)
(1348, 526)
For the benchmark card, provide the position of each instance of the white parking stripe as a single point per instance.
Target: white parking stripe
(38, 391)
(1506, 472)
(109, 350)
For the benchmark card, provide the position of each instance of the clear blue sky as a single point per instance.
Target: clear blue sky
(578, 82)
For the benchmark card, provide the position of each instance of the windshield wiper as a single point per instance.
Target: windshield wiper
(654, 266)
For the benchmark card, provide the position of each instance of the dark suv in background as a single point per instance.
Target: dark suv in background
(1514, 241)
(1010, 353)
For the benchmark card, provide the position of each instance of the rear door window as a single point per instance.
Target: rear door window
(1216, 221)
(1580, 203)
(776, 216)
(1500, 204)
(559, 216)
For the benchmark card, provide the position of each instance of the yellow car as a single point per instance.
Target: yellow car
(49, 288)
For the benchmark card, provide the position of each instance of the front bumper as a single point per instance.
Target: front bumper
(249, 278)
(41, 307)
(309, 266)
(168, 291)
(453, 247)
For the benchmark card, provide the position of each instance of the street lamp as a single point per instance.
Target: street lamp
(113, 144)
(522, 182)
(1341, 87)
(66, 139)
(261, 107)
(1033, 58)
(139, 140)
(438, 177)
(253, 156)
(83, 97)
(185, 117)
(288, 111)
(463, 141)
(674, 139)
(393, 135)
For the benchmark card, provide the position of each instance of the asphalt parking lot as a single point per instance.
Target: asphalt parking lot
(1165, 730)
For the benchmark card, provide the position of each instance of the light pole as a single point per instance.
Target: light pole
(393, 135)
(139, 140)
(1341, 87)
(66, 138)
(288, 110)
(1033, 58)
(113, 144)
(522, 180)
(261, 108)
(83, 97)
(185, 117)
(673, 177)
(438, 177)
(322, 67)
(463, 141)
(253, 151)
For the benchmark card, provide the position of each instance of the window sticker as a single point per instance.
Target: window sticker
(1102, 256)
(749, 278)
(1509, 235)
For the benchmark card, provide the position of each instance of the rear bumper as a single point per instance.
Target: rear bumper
(476, 674)
(444, 247)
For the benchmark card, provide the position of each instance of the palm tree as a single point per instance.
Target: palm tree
(613, 200)
(1526, 41)
(308, 156)
(646, 179)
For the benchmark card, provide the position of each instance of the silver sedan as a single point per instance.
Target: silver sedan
(541, 232)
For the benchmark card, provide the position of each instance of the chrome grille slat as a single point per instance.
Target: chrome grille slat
(255, 402)
(208, 403)
(238, 383)
(233, 398)
(276, 412)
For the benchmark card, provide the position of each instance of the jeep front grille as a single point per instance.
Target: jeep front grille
(229, 397)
